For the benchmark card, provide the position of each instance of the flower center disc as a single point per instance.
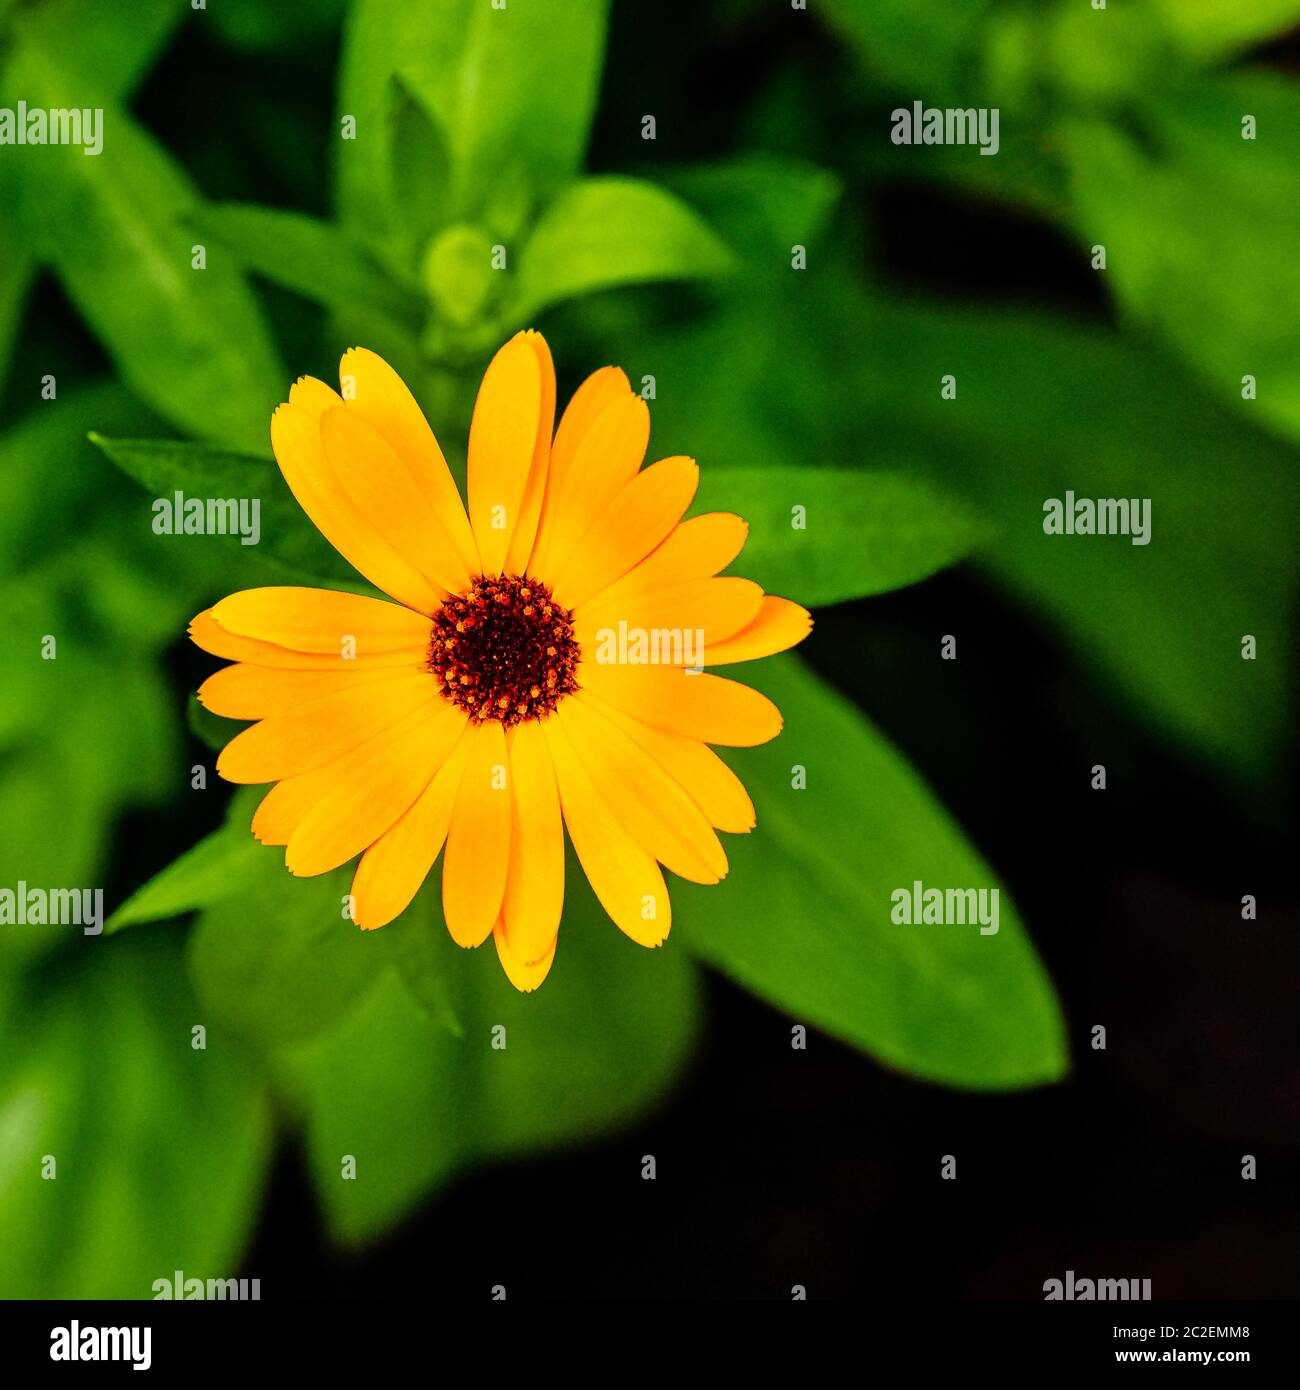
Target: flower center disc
(505, 650)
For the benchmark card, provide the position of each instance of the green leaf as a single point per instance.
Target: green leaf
(190, 342)
(858, 533)
(512, 90)
(1162, 622)
(1199, 234)
(515, 92)
(415, 190)
(925, 47)
(160, 1147)
(278, 960)
(220, 866)
(165, 467)
(105, 48)
(600, 1042)
(1213, 29)
(421, 959)
(377, 38)
(804, 917)
(380, 1088)
(755, 383)
(310, 257)
(606, 232)
(761, 205)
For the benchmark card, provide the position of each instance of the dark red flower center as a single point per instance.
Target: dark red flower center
(504, 650)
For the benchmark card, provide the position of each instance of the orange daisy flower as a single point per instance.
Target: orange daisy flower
(538, 669)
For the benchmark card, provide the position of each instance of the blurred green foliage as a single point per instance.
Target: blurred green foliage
(455, 131)
(158, 1147)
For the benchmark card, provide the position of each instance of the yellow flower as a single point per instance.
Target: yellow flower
(533, 671)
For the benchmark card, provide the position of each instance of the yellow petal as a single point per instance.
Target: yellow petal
(778, 626)
(395, 768)
(596, 392)
(530, 507)
(606, 459)
(295, 437)
(252, 692)
(207, 633)
(313, 396)
(697, 549)
(525, 978)
(382, 488)
(704, 707)
(381, 396)
(631, 526)
(623, 876)
(599, 389)
(284, 745)
(282, 810)
(710, 783)
(502, 444)
(321, 620)
(534, 896)
(681, 624)
(652, 807)
(478, 840)
(393, 868)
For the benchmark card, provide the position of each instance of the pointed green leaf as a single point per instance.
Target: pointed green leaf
(1212, 29)
(512, 91)
(762, 205)
(189, 341)
(805, 916)
(824, 535)
(106, 48)
(1199, 226)
(606, 232)
(219, 866)
(165, 467)
(310, 257)
(1162, 621)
